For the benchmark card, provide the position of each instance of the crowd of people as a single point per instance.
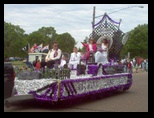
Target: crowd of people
(134, 65)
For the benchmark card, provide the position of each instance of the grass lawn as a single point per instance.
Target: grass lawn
(18, 63)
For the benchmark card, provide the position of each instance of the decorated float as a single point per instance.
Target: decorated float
(71, 85)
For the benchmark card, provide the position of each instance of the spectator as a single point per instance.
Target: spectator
(143, 65)
(137, 65)
(34, 62)
(132, 67)
(146, 65)
(129, 66)
(134, 62)
(38, 65)
(125, 65)
(43, 63)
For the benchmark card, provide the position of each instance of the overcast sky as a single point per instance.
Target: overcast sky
(73, 18)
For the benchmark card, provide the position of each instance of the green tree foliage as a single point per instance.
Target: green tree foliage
(44, 35)
(137, 43)
(14, 40)
(49, 35)
(66, 42)
(86, 40)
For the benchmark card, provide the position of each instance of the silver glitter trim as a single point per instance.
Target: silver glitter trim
(91, 85)
(24, 86)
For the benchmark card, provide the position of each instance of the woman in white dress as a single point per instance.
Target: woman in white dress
(101, 55)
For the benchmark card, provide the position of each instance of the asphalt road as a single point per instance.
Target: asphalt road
(133, 100)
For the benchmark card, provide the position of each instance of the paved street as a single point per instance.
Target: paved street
(133, 100)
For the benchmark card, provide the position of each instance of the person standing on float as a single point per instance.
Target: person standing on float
(91, 48)
(101, 56)
(74, 59)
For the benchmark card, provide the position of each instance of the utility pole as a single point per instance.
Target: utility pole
(128, 55)
(93, 22)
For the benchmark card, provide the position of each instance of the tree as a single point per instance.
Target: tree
(14, 40)
(66, 42)
(45, 35)
(137, 43)
(86, 40)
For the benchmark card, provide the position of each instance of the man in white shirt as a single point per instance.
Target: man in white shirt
(53, 56)
(75, 58)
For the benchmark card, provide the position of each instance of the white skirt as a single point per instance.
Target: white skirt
(101, 57)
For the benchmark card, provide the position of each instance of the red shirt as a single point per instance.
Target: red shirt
(129, 65)
(94, 47)
(38, 65)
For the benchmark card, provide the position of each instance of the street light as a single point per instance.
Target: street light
(126, 8)
(121, 10)
(93, 22)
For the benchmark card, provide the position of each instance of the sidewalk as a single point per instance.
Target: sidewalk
(138, 71)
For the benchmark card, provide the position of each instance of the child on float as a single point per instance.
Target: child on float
(63, 61)
(74, 58)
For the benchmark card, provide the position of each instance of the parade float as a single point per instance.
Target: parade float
(70, 85)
